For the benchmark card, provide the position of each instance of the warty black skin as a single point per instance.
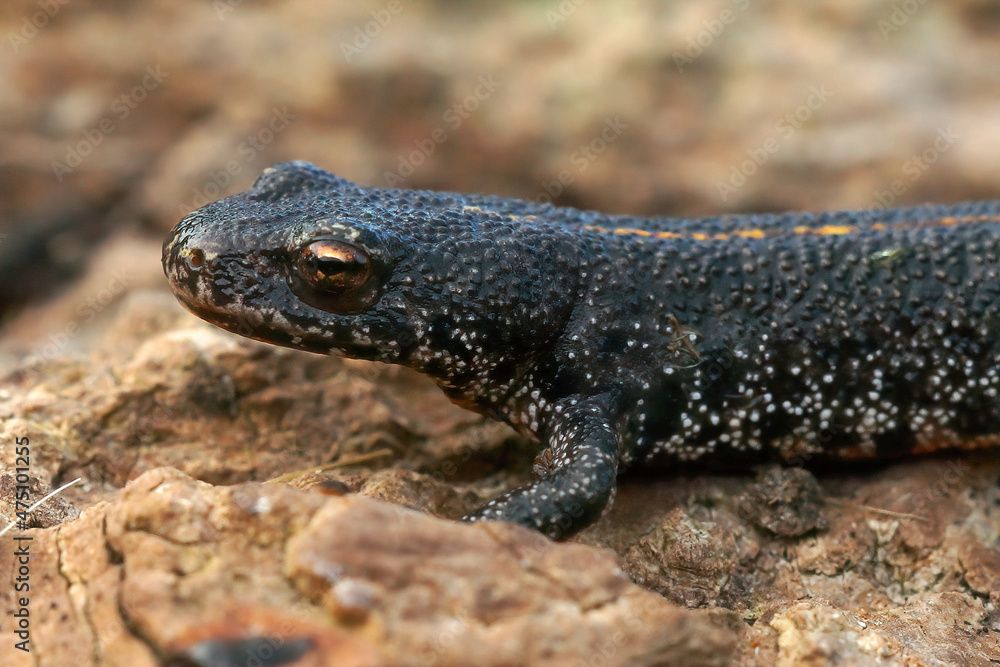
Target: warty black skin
(616, 340)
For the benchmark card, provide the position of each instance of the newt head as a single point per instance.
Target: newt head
(286, 262)
(308, 260)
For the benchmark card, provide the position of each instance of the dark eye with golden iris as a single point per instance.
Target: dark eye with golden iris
(334, 267)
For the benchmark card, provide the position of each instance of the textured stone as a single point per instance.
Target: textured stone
(177, 567)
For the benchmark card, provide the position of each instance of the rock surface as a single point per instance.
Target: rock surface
(178, 570)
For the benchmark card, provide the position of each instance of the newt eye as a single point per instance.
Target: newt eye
(336, 276)
(333, 266)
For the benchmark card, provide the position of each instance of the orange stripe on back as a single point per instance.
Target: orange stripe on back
(825, 230)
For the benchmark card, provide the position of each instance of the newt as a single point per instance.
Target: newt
(618, 341)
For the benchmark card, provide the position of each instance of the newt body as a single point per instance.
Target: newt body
(618, 341)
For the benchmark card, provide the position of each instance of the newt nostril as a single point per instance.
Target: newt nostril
(195, 259)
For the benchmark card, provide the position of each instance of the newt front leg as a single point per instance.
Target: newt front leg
(578, 475)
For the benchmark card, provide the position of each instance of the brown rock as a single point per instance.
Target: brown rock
(175, 567)
(489, 593)
(784, 501)
(981, 567)
(939, 629)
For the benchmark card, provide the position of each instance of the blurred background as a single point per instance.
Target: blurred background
(117, 118)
